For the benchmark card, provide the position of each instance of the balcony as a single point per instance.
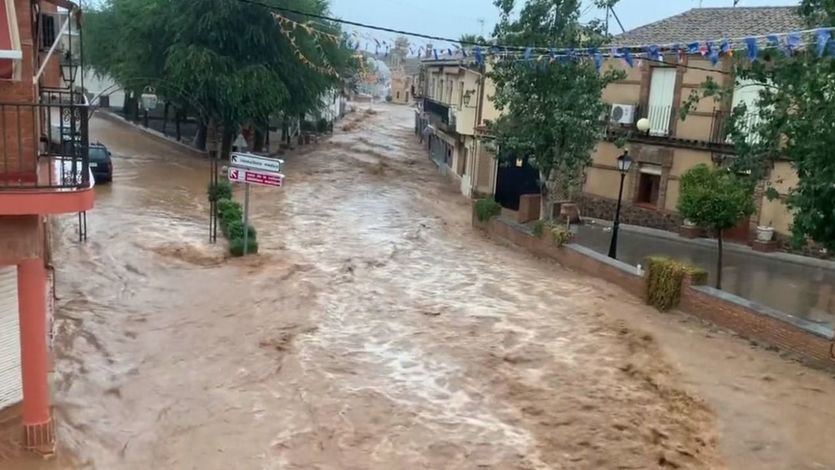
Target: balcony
(44, 164)
(438, 112)
(701, 130)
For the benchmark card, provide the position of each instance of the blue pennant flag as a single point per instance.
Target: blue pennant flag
(824, 37)
(793, 41)
(627, 57)
(435, 52)
(654, 53)
(464, 52)
(753, 48)
(773, 40)
(478, 57)
(714, 53)
(598, 59)
(528, 52)
(449, 51)
(693, 48)
(725, 46)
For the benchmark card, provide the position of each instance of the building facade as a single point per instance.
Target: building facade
(44, 170)
(657, 91)
(451, 111)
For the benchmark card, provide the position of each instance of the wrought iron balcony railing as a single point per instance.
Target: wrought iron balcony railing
(45, 145)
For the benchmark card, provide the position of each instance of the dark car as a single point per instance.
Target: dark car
(101, 164)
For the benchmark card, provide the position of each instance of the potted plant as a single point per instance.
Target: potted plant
(765, 233)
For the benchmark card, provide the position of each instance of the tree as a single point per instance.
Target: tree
(551, 109)
(229, 59)
(467, 40)
(794, 120)
(716, 199)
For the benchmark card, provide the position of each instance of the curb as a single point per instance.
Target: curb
(113, 117)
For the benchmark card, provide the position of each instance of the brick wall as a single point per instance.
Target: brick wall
(753, 322)
(810, 341)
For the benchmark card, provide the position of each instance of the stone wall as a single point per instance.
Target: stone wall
(603, 208)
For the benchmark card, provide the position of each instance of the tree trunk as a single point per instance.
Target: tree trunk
(134, 109)
(164, 118)
(719, 260)
(226, 143)
(177, 116)
(127, 105)
(145, 118)
(259, 138)
(200, 138)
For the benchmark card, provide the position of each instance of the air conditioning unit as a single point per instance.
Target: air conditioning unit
(623, 114)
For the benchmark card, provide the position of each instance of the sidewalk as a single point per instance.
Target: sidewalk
(794, 284)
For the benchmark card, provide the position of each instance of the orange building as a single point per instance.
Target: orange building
(44, 170)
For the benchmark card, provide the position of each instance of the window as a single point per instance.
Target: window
(47, 31)
(748, 92)
(649, 184)
(398, 95)
(661, 92)
(460, 94)
(449, 91)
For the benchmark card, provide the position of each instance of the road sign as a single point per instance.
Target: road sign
(256, 162)
(261, 178)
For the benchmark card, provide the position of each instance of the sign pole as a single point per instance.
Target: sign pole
(246, 219)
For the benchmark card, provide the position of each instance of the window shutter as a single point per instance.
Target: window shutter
(661, 93)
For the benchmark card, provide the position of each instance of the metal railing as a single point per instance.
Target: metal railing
(748, 124)
(437, 109)
(45, 145)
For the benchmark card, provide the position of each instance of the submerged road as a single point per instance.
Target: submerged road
(377, 330)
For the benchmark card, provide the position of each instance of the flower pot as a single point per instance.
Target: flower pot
(765, 233)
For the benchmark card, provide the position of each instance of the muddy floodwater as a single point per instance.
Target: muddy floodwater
(377, 330)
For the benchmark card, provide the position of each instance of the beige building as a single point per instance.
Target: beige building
(401, 87)
(657, 91)
(452, 109)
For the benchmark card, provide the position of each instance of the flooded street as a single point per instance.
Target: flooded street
(377, 330)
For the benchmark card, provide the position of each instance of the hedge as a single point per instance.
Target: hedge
(230, 217)
(486, 209)
(665, 277)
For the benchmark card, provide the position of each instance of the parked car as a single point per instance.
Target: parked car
(100, 163)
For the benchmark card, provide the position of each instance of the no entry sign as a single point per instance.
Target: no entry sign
(261, 178)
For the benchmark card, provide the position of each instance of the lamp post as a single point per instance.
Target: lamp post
(624, 163)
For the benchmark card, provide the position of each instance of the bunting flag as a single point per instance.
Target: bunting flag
(627, 57)
(598, 60)
(528, 52)
(823, 37)
(753, 48)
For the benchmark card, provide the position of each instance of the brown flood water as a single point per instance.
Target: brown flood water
(377, 330)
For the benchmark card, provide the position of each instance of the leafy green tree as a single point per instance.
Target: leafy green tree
(466, 40)
(228, 59)
(551, 109)
(716, 199)
(793, 120)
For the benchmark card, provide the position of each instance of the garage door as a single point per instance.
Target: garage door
(11, 389)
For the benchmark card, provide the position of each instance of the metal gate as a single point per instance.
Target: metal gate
(514, 178)
(11, 387)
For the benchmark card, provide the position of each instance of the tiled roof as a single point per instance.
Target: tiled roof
(701, 24)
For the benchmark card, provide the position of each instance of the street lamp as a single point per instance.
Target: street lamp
(467, 96)
(624, 163)
(69, 68)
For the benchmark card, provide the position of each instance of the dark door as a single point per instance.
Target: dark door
(515, 178)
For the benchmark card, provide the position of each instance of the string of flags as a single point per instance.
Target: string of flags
(820, 40)
(287, 26)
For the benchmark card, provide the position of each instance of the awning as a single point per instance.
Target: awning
(10, 51)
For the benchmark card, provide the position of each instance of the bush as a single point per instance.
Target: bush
(235, 229)
(486, 209)
(229, 211)
(539, 228)
(236, 246)
(561, 235)
(308, 126)
(664, 281)
(322, 126)
(220, 190)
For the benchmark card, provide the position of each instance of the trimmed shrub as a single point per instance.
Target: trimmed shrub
(219, 190)
(664, 281)
(561, 235)
(230, 218)
(486, 209)
(236, 246)
(539, 228)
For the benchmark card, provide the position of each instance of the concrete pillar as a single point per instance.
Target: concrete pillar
(37, 420)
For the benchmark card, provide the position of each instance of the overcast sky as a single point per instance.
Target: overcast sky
(451, 18)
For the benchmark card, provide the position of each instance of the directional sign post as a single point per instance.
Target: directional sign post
(252, 169)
